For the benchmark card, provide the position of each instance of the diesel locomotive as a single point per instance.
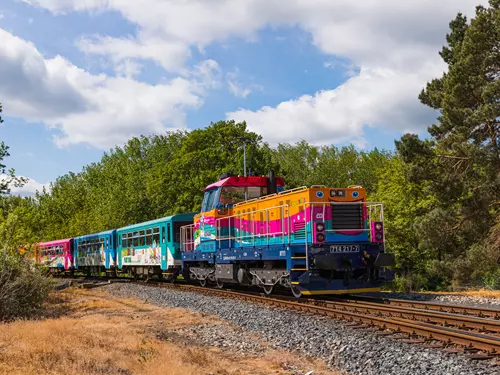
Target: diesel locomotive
(311, 240)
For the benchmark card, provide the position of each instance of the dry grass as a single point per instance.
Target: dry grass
(99, 335)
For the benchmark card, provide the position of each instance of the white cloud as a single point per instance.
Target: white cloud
(169, 55)
(349, 69)
(393, 43)
(340, 115)
(29, 189)
(94, 109)
(128, 68)
(238, 89)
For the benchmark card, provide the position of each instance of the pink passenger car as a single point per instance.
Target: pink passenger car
(57, 255)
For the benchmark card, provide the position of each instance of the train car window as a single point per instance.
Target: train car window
(142, 238)
(162, 234)
(169, 236)
(107, 242)
(129, 240)
(136, 239)
(149, 237)
(156, 235)
(124, 240)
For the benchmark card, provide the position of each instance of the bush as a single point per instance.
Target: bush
(411, 282)
(23, 285)
(492, 280)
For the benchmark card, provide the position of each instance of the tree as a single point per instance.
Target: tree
(460, 164)
(7, 177)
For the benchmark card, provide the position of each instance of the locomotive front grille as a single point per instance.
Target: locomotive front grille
(347, 216)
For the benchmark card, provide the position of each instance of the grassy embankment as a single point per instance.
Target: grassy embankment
(86, 332)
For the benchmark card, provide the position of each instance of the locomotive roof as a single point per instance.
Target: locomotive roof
(158, 221)
(244, 181)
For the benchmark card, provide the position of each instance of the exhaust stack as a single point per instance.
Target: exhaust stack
(271, 183)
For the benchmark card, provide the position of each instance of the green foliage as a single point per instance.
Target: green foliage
(303, 164)
(459, 165)
(23, 284)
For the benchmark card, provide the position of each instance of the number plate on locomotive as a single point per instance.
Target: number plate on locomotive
(344, 248)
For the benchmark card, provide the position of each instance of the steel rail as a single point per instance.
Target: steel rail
(440, 307)
(429, 316)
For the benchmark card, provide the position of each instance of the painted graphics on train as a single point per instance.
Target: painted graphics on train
(147, 256)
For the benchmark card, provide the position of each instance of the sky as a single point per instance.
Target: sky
(78, 77)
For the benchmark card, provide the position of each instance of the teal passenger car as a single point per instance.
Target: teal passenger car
(151, 248)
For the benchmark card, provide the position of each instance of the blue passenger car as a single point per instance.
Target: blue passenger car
(95, 253)
(153, 247)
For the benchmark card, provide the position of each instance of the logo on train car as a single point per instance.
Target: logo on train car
(320, 194)
(355, 194)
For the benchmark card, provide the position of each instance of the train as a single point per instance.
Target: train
(250, 231)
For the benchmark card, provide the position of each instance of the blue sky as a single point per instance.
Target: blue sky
(77, 78)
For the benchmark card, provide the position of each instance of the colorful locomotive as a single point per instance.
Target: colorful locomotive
(250, 231)
(315, 240)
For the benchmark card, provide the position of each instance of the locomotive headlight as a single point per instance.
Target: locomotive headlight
(379, 236)
(320, 227)
(378, 226)
(320, 237)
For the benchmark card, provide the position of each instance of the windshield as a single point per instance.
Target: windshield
(234, 194)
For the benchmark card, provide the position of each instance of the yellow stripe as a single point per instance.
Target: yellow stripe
(340, 291)
(299, 269)
(295, 282)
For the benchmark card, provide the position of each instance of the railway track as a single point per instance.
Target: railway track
(472, 330)
(477, 336)
(453, 309)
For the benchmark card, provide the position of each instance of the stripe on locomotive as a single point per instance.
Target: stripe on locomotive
(293, 206)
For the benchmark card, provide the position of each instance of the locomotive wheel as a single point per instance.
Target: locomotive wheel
(203, 282)
(268, 289)
(296, 293)
(219, 283)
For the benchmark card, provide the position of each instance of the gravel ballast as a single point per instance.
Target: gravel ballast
(349, 350)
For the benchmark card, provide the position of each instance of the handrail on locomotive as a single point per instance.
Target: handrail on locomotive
(374, 210)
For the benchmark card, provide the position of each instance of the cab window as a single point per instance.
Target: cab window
(210, 200)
